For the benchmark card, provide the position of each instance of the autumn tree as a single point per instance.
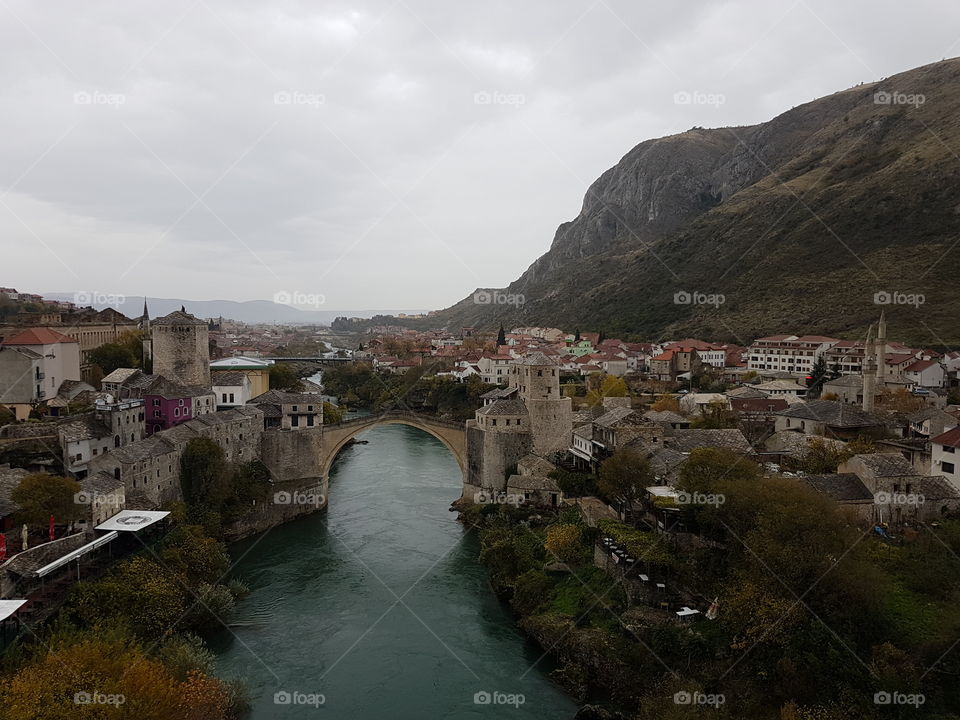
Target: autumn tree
(117, 668)
(608, 386)
(563, 541)
(666, 402)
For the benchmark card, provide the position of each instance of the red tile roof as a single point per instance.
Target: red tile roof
(920, 365)
(39, 336)
(950, 437)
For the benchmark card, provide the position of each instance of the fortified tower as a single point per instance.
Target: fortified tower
(181, 350)
(537, 382)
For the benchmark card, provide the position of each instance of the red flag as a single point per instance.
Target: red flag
(3, 547)
(51, 527)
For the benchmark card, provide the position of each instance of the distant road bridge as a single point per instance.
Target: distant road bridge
(316, 360)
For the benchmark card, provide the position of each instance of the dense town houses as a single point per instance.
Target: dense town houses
(779, 401)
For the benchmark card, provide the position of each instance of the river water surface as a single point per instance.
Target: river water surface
(379, 604)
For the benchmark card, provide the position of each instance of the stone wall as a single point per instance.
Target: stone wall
(289, 501)
(492, 457)
(293, 454)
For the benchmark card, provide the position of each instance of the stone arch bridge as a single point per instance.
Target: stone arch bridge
(452, 434)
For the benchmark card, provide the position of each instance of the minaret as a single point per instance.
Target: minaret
(869, 372)
(882, 352)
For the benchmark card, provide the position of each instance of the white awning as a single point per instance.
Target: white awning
(75, 554)
(9, 607)
(132, 520)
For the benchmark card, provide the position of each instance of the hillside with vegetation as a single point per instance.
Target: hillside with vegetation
(820, 208)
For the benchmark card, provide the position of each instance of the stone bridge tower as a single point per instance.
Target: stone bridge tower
(181, 348)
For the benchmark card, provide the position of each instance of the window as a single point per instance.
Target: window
(947, 467)
(294, 408)
(231, 397)
(181, 403)
(156, 413)
(176, 412)
(948, 449)
(223, 397)
(294, 421)
(156, 402)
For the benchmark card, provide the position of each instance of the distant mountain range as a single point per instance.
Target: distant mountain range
(251, 311)
(812, 222)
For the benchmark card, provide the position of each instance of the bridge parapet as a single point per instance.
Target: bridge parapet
(451, 433)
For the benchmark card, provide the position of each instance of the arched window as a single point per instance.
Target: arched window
(116, 441)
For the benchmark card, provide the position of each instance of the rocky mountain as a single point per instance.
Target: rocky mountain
(811, 222)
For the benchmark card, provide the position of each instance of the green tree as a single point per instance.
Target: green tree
(332, 414)
(624, 476)
(204, 474)
(501, 337)
(41, 495)
(284, 377)
(818, 376)
(111, 356)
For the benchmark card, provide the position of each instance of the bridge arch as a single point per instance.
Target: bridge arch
(451, 434)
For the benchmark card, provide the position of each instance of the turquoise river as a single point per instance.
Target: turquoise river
(378, 607)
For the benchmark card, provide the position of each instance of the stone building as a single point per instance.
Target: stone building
(109, 427)
(181, 349)
(536, 378)
(289, 410)
(150, 468)
(528, 416)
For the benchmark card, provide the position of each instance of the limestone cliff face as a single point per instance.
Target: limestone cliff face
(819, 208)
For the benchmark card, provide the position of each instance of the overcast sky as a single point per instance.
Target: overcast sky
(389, 154)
